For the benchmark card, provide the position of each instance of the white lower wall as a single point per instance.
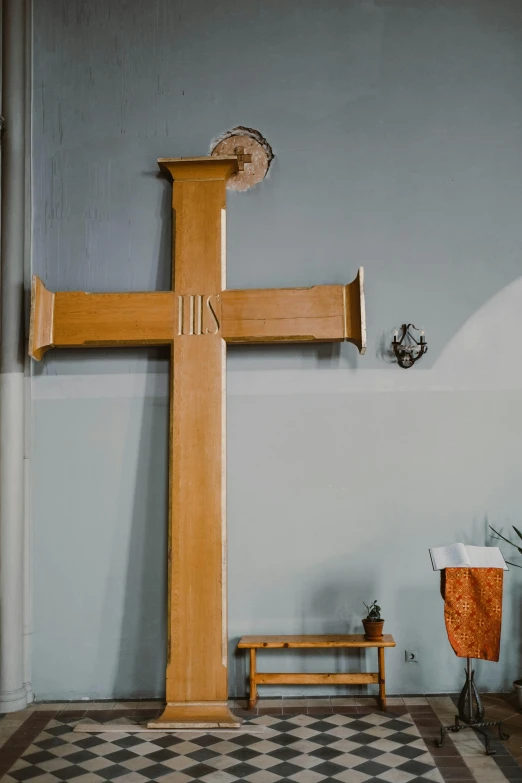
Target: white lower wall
(333, 499)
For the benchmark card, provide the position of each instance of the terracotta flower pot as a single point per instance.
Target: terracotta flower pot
(373, 629)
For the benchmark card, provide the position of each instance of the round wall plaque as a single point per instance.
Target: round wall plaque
(254, 153)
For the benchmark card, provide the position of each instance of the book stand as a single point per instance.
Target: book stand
(470, 716)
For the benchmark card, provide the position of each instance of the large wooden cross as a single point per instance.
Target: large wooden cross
(197, 319)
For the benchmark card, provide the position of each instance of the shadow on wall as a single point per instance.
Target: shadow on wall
(338, 607)
(486, 343)
(331, 607)
(143, 632)
(142, 655)
(320, 356)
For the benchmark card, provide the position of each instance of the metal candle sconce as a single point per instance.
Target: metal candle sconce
(407, 349)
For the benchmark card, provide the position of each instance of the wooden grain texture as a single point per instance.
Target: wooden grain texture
(195, 716)
(382, 679)
(253, 687)
(355, 312)
(217, 168)
(41, 324)
(197, 681)
(327, 313)
(80, 320)
(309, 678)
(314, 640)
(284, 314)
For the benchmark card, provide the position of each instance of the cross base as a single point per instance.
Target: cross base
(206, 715)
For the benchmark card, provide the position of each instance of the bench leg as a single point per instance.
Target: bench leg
(382, 680)
(253, 687)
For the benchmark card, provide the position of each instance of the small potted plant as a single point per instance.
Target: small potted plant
(373, 623)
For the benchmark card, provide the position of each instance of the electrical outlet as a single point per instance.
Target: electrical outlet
(411, 656)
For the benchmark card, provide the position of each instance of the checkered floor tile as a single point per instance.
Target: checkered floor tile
(301, 748)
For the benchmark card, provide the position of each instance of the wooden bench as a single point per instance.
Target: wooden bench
(352, 641)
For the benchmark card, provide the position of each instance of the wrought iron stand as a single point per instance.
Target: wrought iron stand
(471, 716)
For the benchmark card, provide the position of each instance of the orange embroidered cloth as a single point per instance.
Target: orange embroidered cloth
(473, 610)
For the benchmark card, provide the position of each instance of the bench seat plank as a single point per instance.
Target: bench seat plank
(311, 641)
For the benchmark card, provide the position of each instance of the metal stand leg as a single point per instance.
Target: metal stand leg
(471, 718)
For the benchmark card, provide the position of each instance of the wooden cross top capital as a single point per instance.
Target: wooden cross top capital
(197, 318)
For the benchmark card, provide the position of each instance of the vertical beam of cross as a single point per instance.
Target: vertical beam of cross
(197, 682)
(196, 319)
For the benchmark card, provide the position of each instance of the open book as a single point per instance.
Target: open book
(462, 556)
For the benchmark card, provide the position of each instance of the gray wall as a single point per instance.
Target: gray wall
(396, 129)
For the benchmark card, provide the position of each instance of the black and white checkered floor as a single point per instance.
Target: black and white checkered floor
(302, 748)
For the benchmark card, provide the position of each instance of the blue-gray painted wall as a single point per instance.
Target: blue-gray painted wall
(397, 132)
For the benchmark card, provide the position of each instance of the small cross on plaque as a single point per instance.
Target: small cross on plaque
(242, 158)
